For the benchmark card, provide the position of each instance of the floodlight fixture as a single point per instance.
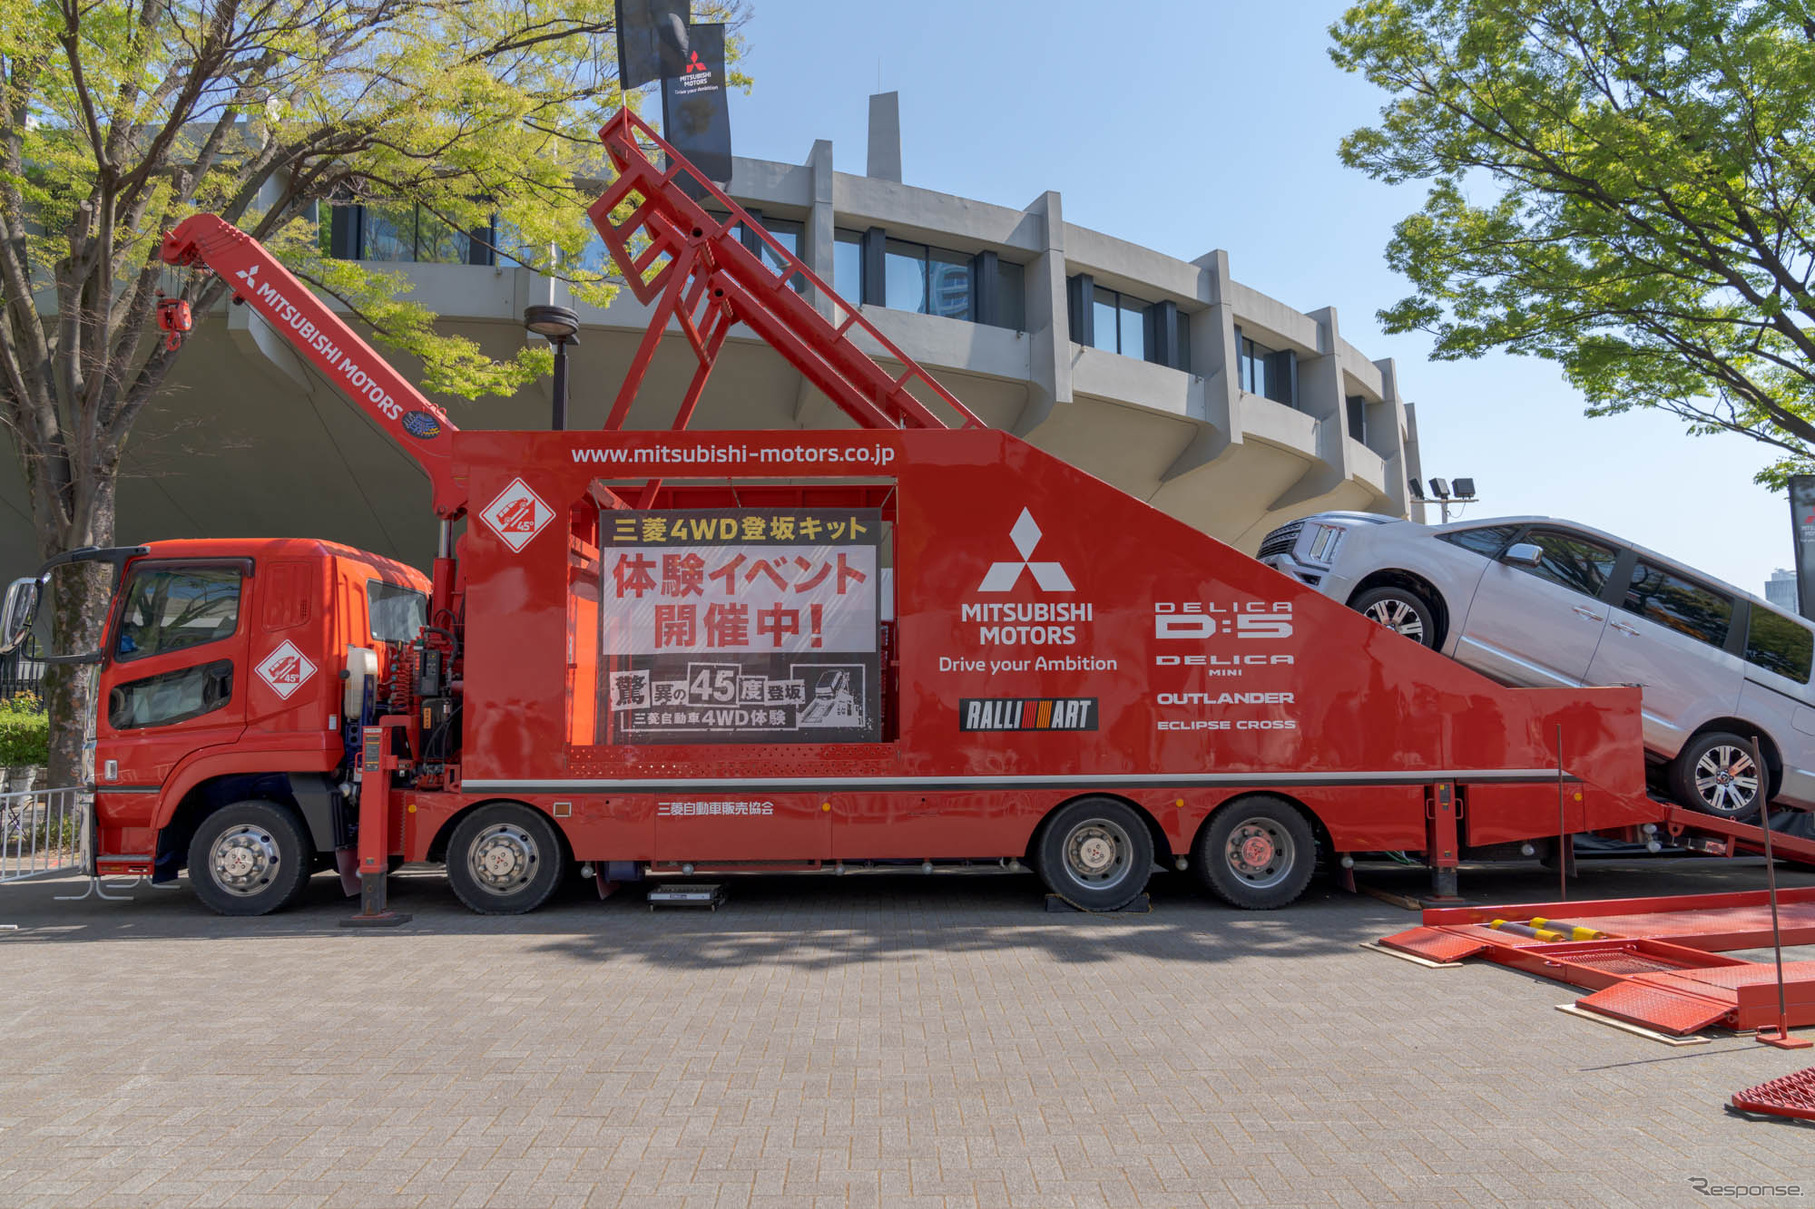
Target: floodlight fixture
(1465, 489)
(1440, 488)
(1417, 490)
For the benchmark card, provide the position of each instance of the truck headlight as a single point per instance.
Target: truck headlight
(1325, 540)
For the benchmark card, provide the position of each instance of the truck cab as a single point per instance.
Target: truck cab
(233, 678)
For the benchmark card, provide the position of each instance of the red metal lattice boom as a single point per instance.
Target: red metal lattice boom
(695, 270)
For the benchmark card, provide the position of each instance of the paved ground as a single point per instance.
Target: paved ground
(866, 1041)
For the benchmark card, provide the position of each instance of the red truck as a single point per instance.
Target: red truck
(918, 640)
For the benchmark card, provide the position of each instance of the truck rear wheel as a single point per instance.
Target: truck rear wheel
(1257, 854)
(249, 858)
(504, 859)
(1096, 853)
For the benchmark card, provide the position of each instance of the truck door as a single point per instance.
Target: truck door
(1669, 637)
(1539, 626)
(173, 677)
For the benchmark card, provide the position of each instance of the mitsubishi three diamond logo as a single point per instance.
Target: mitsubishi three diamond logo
(517, 515)
(286, 669)
(1003, 577)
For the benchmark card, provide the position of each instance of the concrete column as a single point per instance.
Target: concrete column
(1320, 397)
(816, 242)
(1403, 463)
(1048, 321)
(885, 137)
(1218, 405)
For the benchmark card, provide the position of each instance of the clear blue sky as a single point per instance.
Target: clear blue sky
(1192, 126)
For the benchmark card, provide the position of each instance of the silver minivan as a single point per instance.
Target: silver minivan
(1545, 603)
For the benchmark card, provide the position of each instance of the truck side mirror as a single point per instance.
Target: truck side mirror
(1524, 554)
(18, 611)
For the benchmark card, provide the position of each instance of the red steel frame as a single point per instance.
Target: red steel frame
(1660, 962)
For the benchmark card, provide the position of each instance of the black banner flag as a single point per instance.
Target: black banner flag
(651, 34)
(696, 114)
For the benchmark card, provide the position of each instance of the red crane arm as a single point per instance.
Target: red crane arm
(420, 428)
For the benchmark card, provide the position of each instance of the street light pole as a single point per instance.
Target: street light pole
(560, 327)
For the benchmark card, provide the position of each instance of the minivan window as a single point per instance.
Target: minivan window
(1686, 607)
(397, 613)
(1780, 645)
(1489, 540)
(172, 610)
(1578, 563)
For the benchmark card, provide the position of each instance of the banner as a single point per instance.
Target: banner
(696, 114)
(742, 625)
(650, 33)
(1802, 521)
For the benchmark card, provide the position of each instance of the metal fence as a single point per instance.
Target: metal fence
(44, 832)
(22, 672)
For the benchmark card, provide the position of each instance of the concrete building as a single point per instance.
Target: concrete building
(1168, 378)
(1780, 589)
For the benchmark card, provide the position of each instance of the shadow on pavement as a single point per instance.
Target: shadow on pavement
(817, 922)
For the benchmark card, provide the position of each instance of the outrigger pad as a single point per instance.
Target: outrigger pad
(1434, 944)
(1790, 1096)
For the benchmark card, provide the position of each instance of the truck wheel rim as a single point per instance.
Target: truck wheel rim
(1098, 854)
(1259, 852)
(1726, 779)
(503, 858)
(243, 859)
(1397, 616)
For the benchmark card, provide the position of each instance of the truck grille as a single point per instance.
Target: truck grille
(1281, 540)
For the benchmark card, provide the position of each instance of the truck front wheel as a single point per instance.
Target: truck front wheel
(1097, 854)
(504, 859)
(249, 858)
(1256, 854)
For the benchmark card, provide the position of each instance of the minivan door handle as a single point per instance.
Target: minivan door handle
(1590, 614)
(1623, 628)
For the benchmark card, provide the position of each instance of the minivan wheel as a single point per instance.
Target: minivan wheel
(1400, 610)
(1717, 774)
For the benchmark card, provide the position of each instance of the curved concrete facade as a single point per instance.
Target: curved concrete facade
(247, 441)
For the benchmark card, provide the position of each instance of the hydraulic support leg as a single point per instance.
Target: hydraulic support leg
(1442, 843)
(376, 764)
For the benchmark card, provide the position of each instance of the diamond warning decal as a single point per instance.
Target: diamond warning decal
(517, 515)
(286, 669)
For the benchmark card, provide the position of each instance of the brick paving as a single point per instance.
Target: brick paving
(866, 1041)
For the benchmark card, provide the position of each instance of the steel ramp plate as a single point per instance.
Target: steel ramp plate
(1790, 1096)
(1434, 944)
(1655, 1007)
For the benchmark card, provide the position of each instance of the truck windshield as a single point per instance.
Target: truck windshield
(171, 610)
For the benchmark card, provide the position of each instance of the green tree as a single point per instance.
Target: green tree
(120, 117)
(1623, 187)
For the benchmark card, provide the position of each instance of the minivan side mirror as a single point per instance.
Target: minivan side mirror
(18, 611)
(1523, 554)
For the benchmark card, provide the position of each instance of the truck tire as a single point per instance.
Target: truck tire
(250, 858)
(505, 859)
(1401, 610)
(1096, 853)
(1257, 854)
(1716, 774)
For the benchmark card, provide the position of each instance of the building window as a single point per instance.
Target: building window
(1262, 371)
(1011, 297)
(1117, 323)
(847, 264)
(1358, 418)
(406, 234)
(927, 281)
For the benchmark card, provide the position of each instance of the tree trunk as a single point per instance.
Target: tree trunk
(78, 604)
